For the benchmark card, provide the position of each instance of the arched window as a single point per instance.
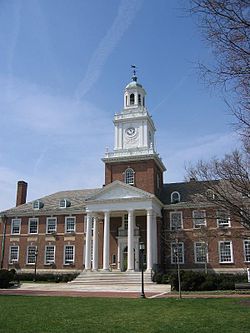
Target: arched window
(126, 100)
(175, 197)
(129, 176)
(143, 101)
(139, 99)
(132, 99)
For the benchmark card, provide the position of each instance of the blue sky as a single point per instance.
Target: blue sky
(63, 68)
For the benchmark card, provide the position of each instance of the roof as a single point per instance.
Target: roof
(185, 189)
(77, 200)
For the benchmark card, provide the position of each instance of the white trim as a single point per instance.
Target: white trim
(171, 197)
(16, 260)
(244, 249)
(170, 216)
(37, 220)
(182, 252)
(47, 219)
(231, 252)
(12, 221)
(50, 262)
(195, 252)
(195, 225)
(223, 225)
(70, 231)
(27, 254)
(64, 249)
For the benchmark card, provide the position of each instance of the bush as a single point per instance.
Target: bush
(48, 277)
(195, 281)
(5, 278)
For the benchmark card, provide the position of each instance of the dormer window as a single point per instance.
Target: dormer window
(129, 176)
(64, 203)
(132, 99)
(210, 194)
(175, 197)
(38, 204)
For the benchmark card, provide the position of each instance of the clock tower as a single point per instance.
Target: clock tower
(134, 159)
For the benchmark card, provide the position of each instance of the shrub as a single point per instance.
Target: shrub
(48, 277)
(195, 281)
(5, 278)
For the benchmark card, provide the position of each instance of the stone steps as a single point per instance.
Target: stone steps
(111, 278)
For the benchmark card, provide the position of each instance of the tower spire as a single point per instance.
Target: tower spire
(134, 77)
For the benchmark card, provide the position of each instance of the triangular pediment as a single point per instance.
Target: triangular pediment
(119, 190)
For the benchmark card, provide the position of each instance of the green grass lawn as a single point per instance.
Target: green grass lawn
(25, 314)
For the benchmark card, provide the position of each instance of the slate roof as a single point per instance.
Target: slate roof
(78, 199)
(51, 203)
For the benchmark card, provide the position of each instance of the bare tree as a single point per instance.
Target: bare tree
(226, 26)
(226, 184)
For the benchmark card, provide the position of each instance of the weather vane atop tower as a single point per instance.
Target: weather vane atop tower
(134, 77)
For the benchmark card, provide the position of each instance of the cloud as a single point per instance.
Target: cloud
(126, 13)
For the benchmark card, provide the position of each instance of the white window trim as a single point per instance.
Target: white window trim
(171, 225)
(195, 253)
(244, 249)
(68, 264)
(194, 219)
(172, 194)
(125, 176)
(183, 254)
(52, 262)
(17, 260)
(223, 225)
(39, 203)
(71, 231)
(231, 251)
(33, 218)
(27, 254)
(49, 233)
(12, 222)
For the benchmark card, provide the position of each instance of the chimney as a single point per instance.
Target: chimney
(21, 192)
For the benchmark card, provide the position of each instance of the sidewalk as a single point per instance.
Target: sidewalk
(65, 289)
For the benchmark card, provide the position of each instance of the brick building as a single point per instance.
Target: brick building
(100, 229)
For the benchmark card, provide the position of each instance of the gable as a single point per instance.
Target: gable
(118, 190)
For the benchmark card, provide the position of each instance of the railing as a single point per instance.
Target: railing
(124, 233)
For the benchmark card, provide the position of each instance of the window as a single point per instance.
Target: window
(200, 252)
(225, 252)
(31, 255)
(175, 197)
(33, 226)
(247, 250)
(129, 176)
(14, 253)
(132, 99)
(69, 254)
(176, 220)
(51, 225)
(223, 219)
(64, 203)
(70, 224)
(49, 254)
(199, 218)
(15, 226)
(38, 204)
(177, 253)
(210, 194)
(139, 99)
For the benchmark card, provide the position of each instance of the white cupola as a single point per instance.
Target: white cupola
(134, 95)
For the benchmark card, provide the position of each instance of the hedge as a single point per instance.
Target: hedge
(198, 281)
(7, 278)
(48, 277)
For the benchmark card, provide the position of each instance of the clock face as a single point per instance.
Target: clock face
(130, 131)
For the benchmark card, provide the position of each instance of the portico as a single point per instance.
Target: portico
(119, 199)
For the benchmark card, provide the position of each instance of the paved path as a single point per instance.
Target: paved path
(64, 289)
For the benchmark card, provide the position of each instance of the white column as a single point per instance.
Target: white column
(106, 241)
(130, 240)
(95, 244)
(155, 243)
(88, 243)
(149, 239)
(119, 255)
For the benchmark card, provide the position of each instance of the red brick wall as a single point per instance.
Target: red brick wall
(145, 174)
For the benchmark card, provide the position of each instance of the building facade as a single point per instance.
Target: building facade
(100, 229)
